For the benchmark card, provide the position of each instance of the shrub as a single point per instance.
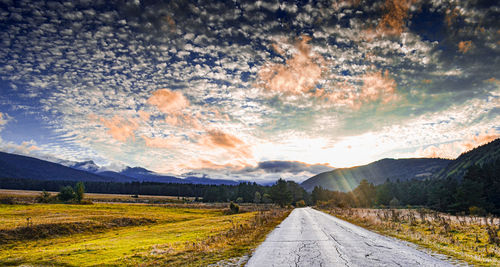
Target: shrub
(79, 192)
(66, 193)
(266, 198)
(44, 197)
(331, 203)
(394, 203)
(300, 203)
(257, 197)
(234, 208)
(477, 211)
(7, 200)
(493, 237)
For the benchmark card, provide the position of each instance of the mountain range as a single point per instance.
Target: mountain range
(24, 167)
(342, 179)
(346, 179)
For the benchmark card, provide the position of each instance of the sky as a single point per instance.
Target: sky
(248, 89)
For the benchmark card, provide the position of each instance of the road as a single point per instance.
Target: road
(308, 237)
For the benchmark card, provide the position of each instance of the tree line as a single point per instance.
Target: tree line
(282, 192)
(478, 192)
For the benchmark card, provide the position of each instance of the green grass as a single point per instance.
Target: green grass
(175, 236)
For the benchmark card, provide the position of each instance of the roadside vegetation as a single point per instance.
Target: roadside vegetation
(469, 238)
(131, 234)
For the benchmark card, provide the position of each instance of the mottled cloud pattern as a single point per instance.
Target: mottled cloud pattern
(168, 102)
(238, 89)
(299, 74)
(120, 129)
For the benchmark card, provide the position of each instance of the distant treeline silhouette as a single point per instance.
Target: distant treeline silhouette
(282, 193)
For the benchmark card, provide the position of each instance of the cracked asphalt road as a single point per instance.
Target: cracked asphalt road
(308, 237)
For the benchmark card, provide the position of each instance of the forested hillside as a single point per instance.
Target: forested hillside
(479, 156)
(378, 172)
(477, 191)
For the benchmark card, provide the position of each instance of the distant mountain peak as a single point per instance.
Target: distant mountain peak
(136, 170)
(88, 165)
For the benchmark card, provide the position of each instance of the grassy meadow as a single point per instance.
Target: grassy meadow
(467, 238)
(128, 234)
(29, 196)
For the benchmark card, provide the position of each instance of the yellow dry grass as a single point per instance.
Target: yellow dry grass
(128, 234)
(462, 237)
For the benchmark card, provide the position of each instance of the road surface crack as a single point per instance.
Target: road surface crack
(375, 245)
(298, 259)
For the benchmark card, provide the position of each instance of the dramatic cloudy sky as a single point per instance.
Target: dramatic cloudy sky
(248, 88)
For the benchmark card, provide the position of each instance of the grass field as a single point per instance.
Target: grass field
(128, 234)
(462, 237)
(29, 196)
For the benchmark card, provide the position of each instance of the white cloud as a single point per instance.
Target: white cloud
(110, 65)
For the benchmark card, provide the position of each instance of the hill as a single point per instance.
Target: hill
(346, 179)
(481, 155)
(17, 166)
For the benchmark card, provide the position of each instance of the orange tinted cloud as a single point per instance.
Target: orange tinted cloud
(278, 49)
(218, 115)
(453, 150)
(221, 139)
(168, 102)
(394, 20)
(119, 128)
(157, 142)
(25, 148)
(201, 164)
(183, 120)
(299, 74)
(344, 95)
(144, 115)
(491, 80)
(171, 23)
(464, 46)
(451, 16)
(378, 86)
(173, 120)
(231, 143)
(29, 146)
(481, 139)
